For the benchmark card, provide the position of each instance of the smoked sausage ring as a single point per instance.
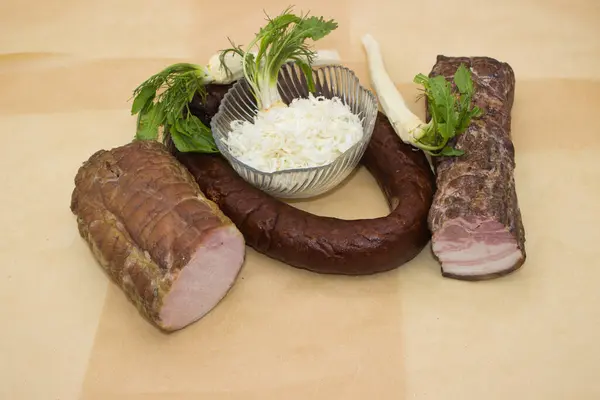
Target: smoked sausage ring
(324, 244)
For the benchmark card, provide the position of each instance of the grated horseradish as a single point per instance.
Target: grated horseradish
(308, 133)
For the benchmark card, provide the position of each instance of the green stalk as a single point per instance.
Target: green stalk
(282, 39)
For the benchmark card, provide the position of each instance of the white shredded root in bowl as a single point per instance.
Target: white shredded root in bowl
(308, 133)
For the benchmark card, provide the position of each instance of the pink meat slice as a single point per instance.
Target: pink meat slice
(205, 280)
(472, 249)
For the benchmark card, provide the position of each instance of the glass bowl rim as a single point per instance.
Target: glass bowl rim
(230, 157)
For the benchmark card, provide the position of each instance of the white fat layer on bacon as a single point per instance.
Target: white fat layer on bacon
(475, 248)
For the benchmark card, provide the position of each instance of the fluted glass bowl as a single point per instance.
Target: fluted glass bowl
(330, 81)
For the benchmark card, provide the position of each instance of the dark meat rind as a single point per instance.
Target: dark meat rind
(205, 108)
(324, 244)
(480, 184)
(143, 216)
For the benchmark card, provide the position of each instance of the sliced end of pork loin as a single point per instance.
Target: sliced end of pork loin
(205, 280)
(476, 250)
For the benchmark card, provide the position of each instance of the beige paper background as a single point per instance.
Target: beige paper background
(67, 69)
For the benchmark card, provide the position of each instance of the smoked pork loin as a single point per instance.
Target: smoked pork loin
(169, 248)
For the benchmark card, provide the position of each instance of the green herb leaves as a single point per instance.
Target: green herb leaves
(149, 119)
(191, 135)
(450, 108)
(144, 96)
(169, 109)
(280, 41)
(314, 28)
(462, 79)
(163, 99)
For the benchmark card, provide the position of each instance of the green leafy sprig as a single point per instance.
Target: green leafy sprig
(451, 111)
(281, 40)
(163, 101)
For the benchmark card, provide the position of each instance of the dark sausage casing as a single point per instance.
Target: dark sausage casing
(326, 244)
